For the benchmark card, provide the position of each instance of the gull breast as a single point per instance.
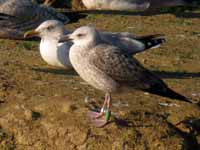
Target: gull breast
(80, 60)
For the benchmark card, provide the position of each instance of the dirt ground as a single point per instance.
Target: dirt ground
(45, 108)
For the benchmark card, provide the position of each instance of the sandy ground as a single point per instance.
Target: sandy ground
(44, 108)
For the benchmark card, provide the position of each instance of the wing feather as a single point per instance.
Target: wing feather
(123, 68)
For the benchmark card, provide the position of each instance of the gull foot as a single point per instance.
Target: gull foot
(95, 115)
(99, 123)
(99, 119)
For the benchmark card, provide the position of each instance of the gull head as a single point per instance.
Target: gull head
(49, 29)
(84, 36)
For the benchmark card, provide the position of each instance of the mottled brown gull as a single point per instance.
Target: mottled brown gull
(23, 15)
(56, 53)
(111, 70)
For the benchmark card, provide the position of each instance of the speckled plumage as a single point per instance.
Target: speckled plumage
(108, 68)
(23, 15)
(118, 69)
(122, 67)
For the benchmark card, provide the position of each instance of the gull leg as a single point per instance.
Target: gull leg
(109, 102)
(94, 115)
(97, 118)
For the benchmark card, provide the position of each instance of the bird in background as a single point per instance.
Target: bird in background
(134, 5)
(18, 16)
(56, 53)
(111, 70)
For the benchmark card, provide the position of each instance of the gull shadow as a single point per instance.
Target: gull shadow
(177, 75)
(122, 123)
(192, 123)
(188, 15)
(189, 137)
(151, 12)
(55, 71)
(161, 74)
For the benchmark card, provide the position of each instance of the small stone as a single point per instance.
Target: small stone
(31, 115)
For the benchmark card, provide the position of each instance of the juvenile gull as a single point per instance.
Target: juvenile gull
(111, 70)
(57, 53)
(133, 4)
(23, 15)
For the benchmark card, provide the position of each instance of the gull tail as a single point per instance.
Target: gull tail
(169, 93)
(152, 41)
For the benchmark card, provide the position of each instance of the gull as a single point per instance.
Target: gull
(23, 15)
(52, 51)
(56, 53)
(111, 70)
(138, 5)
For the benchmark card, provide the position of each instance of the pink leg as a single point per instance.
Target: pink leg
(95, 115)
(97, 118)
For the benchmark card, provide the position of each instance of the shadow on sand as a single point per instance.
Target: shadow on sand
(161, 74)
(177, 75)
(55, 71)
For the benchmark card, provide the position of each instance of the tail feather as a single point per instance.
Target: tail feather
(148, 37)
(169, 93)
(152, 41)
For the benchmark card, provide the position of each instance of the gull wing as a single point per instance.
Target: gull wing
(130, 43)
(126, 70)
(122, 67)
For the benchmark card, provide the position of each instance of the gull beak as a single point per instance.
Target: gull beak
(66, 38)
(31, 33)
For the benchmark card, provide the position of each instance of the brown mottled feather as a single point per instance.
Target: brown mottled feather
(128, 72)
(123, 68)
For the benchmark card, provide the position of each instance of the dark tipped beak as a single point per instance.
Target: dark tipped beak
(65, 38)
(31, 33)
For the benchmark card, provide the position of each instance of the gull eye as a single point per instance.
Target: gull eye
(49, 27)
(79, 35)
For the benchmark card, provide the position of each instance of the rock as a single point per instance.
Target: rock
(31, 115)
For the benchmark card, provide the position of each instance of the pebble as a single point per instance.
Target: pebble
(31, 115)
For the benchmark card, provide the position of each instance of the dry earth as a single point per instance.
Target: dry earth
(44, 108)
